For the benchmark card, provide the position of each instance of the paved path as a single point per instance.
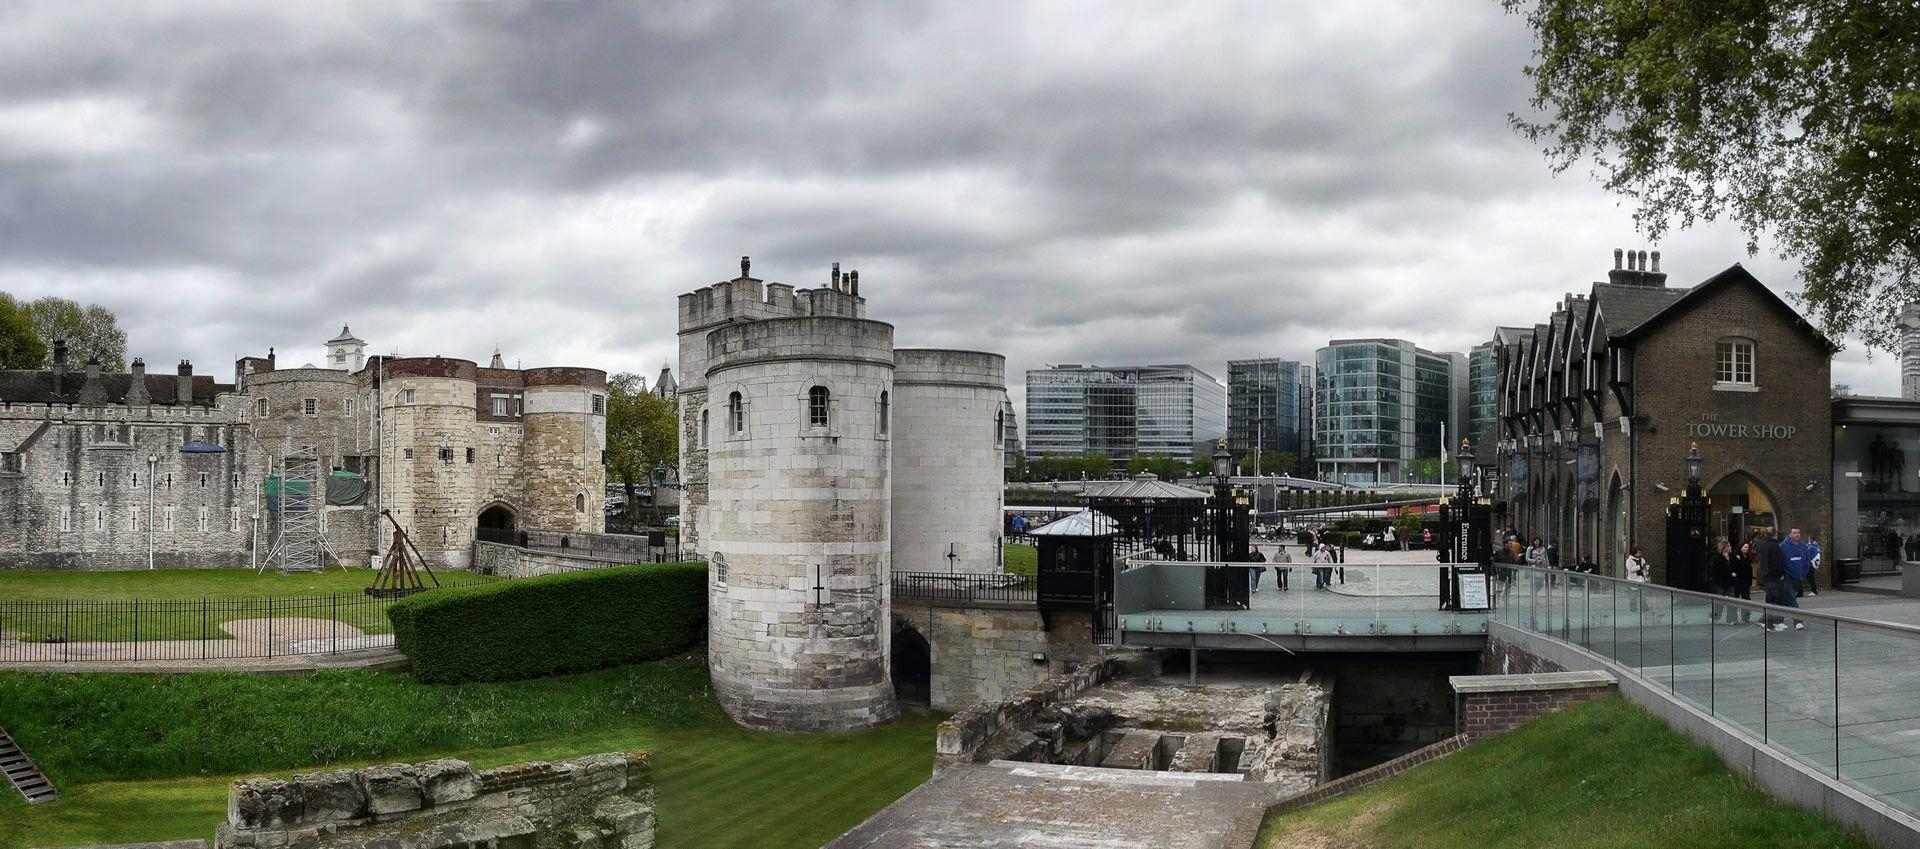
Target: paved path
(281, 643)
(1005, 805)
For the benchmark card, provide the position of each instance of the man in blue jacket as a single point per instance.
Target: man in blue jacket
(1798, 556)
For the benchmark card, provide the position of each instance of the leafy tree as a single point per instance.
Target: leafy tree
(1407, 527)
(20, 345)
(1166, 467)
(90, 331)
(642, 433)
(1797, 119)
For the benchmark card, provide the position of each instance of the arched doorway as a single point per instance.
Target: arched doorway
(1738, 505)
(497, 523)
(912, 666)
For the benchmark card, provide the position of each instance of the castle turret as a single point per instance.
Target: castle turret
(565, 417)
(798, 481)
(346, 352)
(946, 423)
(428, 474)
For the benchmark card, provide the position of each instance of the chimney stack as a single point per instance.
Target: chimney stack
(855, 288)
(1617, 253)
(836, 277)
(92, 392)
(1656, 261)
(59, 366)
(137, 387)
(184, 384)
(1643, 260)
(745, 263)
(269, 359)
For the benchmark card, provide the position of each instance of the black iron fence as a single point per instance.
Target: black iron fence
(964, 588)
(211, 629)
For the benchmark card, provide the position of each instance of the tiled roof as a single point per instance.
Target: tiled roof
(36, 387)
(1625, 307)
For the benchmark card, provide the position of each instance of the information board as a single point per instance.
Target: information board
(1470, 588)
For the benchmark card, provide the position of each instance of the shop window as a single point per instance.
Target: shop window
(1733, 362)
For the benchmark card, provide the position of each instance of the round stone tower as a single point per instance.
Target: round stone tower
(425, 477)
(565, 417)
(307, 409)
(948, 412)
(797, 527)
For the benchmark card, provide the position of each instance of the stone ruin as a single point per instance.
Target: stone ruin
(595, 802)
(1114, 714)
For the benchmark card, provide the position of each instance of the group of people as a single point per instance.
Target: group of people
(1784, 569)
(1324, 555)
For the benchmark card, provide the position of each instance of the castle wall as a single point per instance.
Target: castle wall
(426, 477)
(74, 487)
(948, 475)
(798, 525)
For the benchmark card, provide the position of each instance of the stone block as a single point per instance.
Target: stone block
(264, 803)
(393, 789)
(335, 796)
(447, 781)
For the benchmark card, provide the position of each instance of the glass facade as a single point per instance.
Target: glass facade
(1264, 408)
(1121, 412)
(1378, 405)
(1483, 388)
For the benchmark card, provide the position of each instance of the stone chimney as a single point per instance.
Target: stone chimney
(854, 289)
(92, 391)
(59, 366)
(1656, 262)
(184, 384)
(1637, 271)
(1616, 259)
(137, 386)
(271, 365)
(836, 277)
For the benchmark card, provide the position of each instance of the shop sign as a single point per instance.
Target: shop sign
(1710, 426)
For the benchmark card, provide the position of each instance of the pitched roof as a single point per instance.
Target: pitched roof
(36, 387)
(1143, 485)
(1734, 275)
(1627, 307)
(1086, 523)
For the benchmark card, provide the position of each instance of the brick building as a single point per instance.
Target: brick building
(1599, 405)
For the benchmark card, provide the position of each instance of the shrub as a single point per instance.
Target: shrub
(552, 624)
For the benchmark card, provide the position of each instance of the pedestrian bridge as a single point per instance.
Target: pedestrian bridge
(1366, 607)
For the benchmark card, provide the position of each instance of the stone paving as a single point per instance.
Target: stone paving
(1006, 805)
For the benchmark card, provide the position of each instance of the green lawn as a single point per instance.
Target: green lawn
(1022, 560)
(1604, 774)
(185, 604)
(187, 736)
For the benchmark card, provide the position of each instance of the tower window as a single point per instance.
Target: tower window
(310, 406)
(469, 455)
(406, 453)
(407, 395)
(818, 400)
(260, 408)
(203, 480)
(703, 428)
(580, 503)
(500, 405)
(599, 405)
(886, 412)
(446, 454)
(346, 406)
(736, 414)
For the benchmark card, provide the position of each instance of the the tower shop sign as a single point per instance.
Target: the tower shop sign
(1710, 426)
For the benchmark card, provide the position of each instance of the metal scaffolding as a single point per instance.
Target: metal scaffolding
(299, 544)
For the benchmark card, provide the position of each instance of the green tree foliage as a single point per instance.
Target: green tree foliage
(20, 344)
(642, 433)
(1270, 462)
(90, 331)
(1167, 468)
(1796, 119)
(1056, 466)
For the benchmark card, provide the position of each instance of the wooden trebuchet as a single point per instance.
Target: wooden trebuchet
(400, 570)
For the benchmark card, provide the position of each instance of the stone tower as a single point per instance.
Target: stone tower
(346, 352)
(949, 411)
(566, 423)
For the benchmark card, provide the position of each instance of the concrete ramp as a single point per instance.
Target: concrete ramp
(1011, 805)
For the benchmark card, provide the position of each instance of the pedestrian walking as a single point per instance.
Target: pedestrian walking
(1813, 565)
(1553, 554)
(1257, 558)
(1771, 568)
(1638, 571)
(1322, 556)
(1799, 554)
(1537, 554)
(1742, 562)
(1722, 578)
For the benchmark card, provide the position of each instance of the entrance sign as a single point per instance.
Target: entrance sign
(1470, 589)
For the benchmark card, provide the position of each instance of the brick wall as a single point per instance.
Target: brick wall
(1492, 704)
(1504, 658)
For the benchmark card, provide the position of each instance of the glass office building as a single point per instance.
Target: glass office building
(1123, 411)
(1269, 409)
(1483, 389)
(1379, 405)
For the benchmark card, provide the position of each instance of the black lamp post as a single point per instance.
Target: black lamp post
(1687, 531)
(1466, 470)
(1693, 470)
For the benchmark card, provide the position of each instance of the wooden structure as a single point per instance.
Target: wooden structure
(400, 570)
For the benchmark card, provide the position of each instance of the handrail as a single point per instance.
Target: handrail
(1791, 612)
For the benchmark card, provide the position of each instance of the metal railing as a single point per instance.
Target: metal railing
(143, 630)
(1841, 695)
(640, 548)
(943, 586)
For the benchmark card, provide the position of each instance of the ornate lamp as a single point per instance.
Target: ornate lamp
(1222, 463)
(1693, 467)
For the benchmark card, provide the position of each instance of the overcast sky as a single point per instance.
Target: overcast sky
(1113, 183)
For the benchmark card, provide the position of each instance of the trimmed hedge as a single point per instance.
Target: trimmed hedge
(552, 624)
